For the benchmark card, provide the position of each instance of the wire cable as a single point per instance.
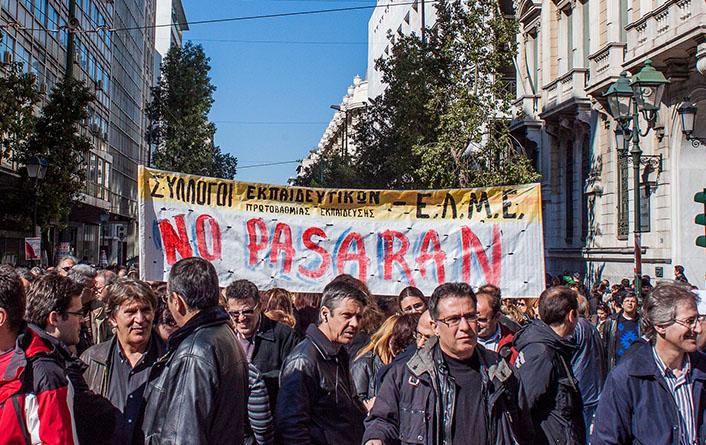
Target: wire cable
(268, 164)
(17, 26)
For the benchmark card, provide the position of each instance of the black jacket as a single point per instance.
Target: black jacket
(317, 402)
(197, 391)
(610, 339)
(548, 389)
(364, 372)
(94, 415)
(416, 401)
(98, 360)
(273, 343)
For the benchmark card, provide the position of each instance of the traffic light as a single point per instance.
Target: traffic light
(701, 218)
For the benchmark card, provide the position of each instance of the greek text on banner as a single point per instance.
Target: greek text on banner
(300, 238)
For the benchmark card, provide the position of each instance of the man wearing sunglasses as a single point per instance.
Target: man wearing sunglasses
(453, 390)
(656, 393)
(266, 342)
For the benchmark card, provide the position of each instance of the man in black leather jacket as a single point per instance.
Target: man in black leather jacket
(317, 402)
(197, 391)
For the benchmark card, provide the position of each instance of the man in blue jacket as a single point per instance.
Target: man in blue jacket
(656, 394)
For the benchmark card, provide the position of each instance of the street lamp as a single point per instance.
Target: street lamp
(627, 99)
(36, 169)
(344, 139)
(687, 112)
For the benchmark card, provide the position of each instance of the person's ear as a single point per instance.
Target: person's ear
(3, 317)
(179, 304)
(661, 330)
(435, 327)
(324, 314)
(53, 318)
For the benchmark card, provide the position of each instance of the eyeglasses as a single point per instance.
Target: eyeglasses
(521, 303)
(691, 324)
(76, 314)
(245, 313)
(66, 268)
(455, 320)
(419, 336)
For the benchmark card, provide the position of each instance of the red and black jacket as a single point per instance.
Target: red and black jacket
(36, 398)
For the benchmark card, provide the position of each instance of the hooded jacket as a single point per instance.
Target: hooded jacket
(197, 391)
(317, 402)
(36, 398)
(95, 417)
(417, 398)
(548, 389)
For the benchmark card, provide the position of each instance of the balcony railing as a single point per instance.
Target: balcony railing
(662, 30)
(570, 86)
(606, 65)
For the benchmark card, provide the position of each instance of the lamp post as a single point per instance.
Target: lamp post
(344, 139)
(36, 169)
(627, 100)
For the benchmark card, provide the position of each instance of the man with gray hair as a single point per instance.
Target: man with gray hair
(65, 264)
(100, 326)
(655, 394)
(317, 402)
(85, 276)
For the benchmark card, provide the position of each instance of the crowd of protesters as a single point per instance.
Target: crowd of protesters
(97, 357)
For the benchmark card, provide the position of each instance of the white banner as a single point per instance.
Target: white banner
(301, 238)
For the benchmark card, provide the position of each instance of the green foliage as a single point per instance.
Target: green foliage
(179, 111)
(57, 139)
(18, 97)
(442, 121)
(332, 170)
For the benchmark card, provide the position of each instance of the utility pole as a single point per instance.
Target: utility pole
(70, 45)
(424, 33)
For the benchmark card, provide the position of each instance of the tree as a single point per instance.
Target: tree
(442, 121)
(18, 98)
(474, 146)
(57, 138)
(179, 111)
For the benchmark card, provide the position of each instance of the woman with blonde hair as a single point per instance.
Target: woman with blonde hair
(393, 337)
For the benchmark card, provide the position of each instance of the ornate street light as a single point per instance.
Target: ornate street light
(627, 98)
(687, 113)
(648, 85)
(37, 170)
(37, 167)
(619, 97)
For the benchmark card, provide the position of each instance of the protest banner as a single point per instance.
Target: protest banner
(300, 238)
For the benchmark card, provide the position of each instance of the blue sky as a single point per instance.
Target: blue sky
(273, 91)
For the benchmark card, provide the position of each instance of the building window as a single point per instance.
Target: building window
(585, 173)
(623, 203)
(569, 197)
(586, 34)
(623, 20)
(569, 40)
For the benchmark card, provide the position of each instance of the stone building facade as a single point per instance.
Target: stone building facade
(570, 52)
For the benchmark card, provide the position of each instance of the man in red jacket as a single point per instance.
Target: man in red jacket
(36, 399)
